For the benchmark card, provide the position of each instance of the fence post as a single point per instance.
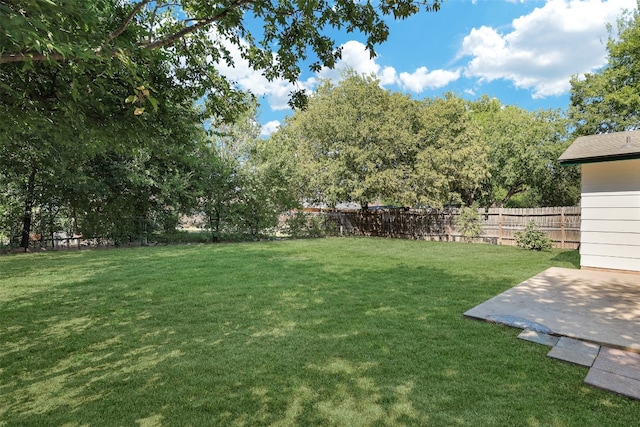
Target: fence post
(500, 226)
(562, 228)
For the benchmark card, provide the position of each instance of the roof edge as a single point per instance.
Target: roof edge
(599, 159)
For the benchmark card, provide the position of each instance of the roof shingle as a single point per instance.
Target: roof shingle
(603, 147)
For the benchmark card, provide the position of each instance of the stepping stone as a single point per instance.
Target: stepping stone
(619, 361)
(575, 351)
(538, 337)
(617, 371)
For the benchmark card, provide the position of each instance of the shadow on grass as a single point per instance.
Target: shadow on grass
(269, 335)
(572, 257)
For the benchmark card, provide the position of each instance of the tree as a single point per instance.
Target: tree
(124, 195)
(609, 100)
(523, 150)
(217, 183)
(345, 141)
(358, 142)
(468, 222)
(451, 161)
(269, 187)
(68, 67)
(26, 171)
(75, 151)
(242, 183)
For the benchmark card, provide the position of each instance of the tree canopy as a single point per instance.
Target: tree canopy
(523, 148)
(609, 100)
(103, 102)
(114, 117)
(357, 142)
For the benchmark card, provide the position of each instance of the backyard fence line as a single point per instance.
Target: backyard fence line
(499, 225)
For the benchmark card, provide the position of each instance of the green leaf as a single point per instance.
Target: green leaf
(154, 103)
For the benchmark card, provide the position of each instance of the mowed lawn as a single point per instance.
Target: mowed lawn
(327, 332)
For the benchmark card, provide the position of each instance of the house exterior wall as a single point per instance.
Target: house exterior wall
(610, 224)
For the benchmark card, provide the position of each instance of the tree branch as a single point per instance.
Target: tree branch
(6, 58)
(170, 40)
(35, 56)
(516, 188)
(128, 20)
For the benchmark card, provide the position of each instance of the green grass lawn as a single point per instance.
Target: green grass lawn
(328, 332)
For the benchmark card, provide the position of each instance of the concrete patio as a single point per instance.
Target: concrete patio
(591, 318)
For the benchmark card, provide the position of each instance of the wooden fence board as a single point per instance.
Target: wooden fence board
(499, 225)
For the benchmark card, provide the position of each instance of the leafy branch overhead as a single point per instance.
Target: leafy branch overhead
(196, 30)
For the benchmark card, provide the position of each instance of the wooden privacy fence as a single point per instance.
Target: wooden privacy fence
(561, 224)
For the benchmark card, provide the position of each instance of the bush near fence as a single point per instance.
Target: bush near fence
(561, 224)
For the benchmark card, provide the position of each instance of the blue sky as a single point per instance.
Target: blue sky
(522, 52)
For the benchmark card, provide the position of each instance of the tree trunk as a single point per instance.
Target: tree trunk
(214, 224)
(28, 208)
(515, 189)
(216, 237)
(74, 221)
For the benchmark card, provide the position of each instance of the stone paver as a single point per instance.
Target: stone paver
(621, 362)
(538, 337)
(616, 383)
(617, 371)
(575, 351)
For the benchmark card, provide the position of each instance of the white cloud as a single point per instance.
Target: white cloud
(356, 57)
(270, 127)
(422, 79)
(388, 76)
(546, 47)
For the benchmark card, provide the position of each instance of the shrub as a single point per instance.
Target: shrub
(181, 237)
(305, 225)
(533, 238)
(468, 223)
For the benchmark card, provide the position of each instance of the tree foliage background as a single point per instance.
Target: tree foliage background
(115, 120)
(102, 102)
(609, 100)
(357, 142)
